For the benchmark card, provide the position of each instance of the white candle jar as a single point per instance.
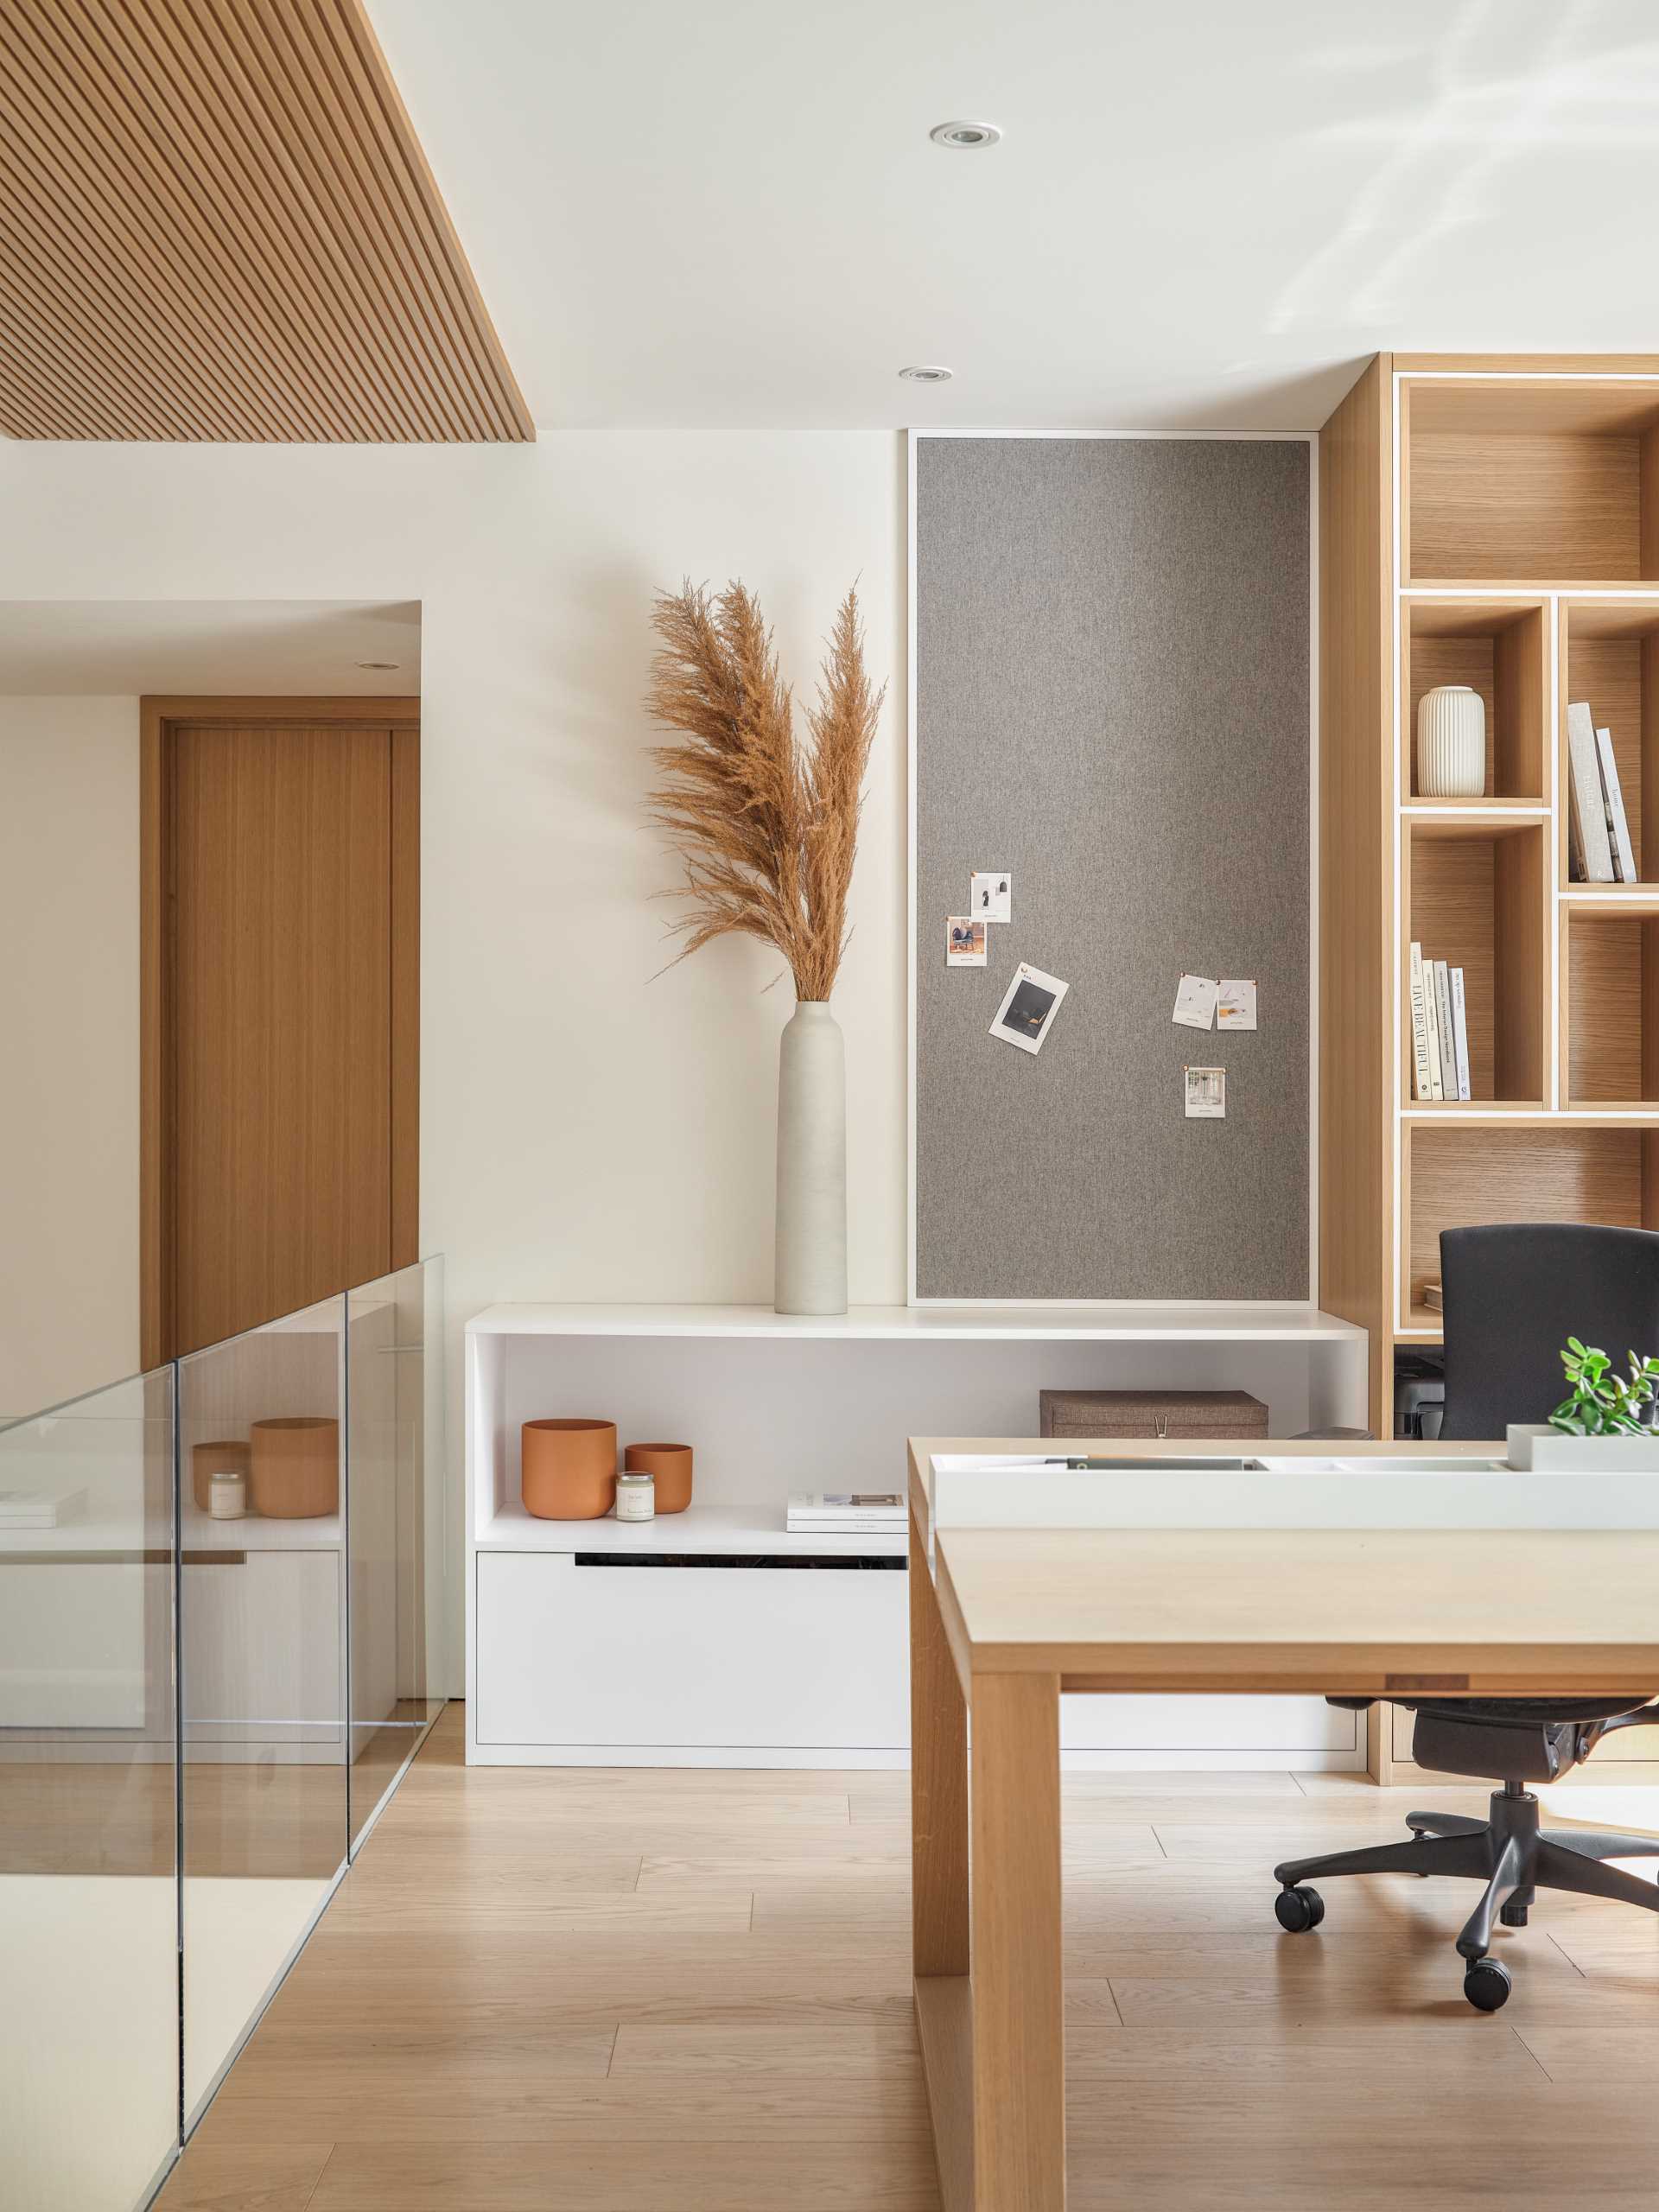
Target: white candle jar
(227, 1495)
(636, 1497)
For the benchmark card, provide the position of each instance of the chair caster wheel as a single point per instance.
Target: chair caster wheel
(1486, 1984)
(1299, 1910)
(1512, 1916)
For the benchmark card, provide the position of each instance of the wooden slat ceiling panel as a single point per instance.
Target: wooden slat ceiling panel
(216, 223)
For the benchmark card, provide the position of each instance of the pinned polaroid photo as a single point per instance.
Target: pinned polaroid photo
(1029, 1006)
(990, 897)
(1206, 1094)
(1235, 1007)
(1195, 1001)
(964, 942)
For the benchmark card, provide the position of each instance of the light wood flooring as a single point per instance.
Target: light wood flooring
(574, 1990)
(248, 1817)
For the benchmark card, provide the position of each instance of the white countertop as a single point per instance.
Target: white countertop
(755, 1528)
(1244, 1322)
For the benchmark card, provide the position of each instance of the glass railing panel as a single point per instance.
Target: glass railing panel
(89, 1974)
(394, 1363)
(263, 1666)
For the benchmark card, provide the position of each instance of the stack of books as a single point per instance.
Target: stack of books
(1439, 1029)
(1598, 828)
(1432, 1297)
(846, 1512)
(27, 1509)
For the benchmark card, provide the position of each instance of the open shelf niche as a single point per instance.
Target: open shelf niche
(1473, 894)
(1499, 648)
(1517, 481)
(1610, 1003)
(1610, 658)
(773, 1403)
(1458, 1176)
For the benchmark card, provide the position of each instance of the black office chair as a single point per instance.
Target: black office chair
(1512, 1295)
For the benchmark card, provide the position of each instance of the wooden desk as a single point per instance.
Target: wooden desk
(1004, 1619)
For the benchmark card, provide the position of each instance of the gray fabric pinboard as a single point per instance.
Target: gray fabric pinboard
(1112, 702)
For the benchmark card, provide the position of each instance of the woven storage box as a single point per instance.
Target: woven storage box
(1153, 1413)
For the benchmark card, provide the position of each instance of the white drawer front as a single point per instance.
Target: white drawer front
(83, 1645)
(262, 1652)
(1204, 1724)
(746, 1657)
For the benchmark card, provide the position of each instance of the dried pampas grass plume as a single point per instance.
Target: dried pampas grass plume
(766, 828)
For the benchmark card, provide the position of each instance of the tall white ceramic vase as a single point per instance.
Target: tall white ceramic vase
(811, 1231)
(1451, 742)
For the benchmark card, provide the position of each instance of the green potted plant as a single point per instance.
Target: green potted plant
(1604, 1424)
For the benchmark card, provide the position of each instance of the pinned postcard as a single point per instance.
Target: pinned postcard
(1195, 1001)
(990, 897)
(1029, 1006)
(1206, 1094)
(1235, 1008)
(964, 942)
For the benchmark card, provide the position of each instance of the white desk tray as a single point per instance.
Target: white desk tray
(994, 1491)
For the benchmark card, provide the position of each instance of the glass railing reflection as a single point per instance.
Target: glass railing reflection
(393, 1541)
(89, 2024)
(261, 1609)
(220, 1594)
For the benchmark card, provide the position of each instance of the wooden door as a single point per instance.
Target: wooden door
(281, 1122)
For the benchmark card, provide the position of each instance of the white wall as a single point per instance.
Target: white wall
(68, 1047)
(588, 1133)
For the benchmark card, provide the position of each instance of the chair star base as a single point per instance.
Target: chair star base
(1509, 1854)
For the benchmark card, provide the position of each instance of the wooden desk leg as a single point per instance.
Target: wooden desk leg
(1018, 2006)
(939, 1784)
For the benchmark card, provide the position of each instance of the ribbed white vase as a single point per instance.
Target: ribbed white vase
(811, 1231)
(1451, 743)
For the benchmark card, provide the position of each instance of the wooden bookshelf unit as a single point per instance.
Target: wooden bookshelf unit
(1490, 521)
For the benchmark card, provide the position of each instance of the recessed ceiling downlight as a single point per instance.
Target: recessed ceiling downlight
(378, 664)
(927, 375)
(964, 138)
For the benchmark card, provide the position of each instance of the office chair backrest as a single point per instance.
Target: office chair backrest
(1513, 1292)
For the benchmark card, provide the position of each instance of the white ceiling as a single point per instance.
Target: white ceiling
(1204, 213)
(294, 648)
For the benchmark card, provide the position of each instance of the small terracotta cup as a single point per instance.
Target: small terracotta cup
(207, 1460)
(567, 1469)
(670, 1467)
(295, 1475)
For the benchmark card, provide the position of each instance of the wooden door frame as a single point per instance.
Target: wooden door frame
(158, 718)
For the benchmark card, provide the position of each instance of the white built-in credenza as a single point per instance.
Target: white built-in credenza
(713, 1637)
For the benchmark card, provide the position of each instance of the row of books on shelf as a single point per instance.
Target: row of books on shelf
(1439, 1029)
(1599, 848)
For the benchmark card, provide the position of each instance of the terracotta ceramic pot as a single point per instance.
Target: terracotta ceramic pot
(567, 1469)
(295, 1474)
(670, 1466)
(207, 1460)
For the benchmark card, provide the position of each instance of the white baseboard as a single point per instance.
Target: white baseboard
(834, 1760)
(1323, 1761)
(672, 1754)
